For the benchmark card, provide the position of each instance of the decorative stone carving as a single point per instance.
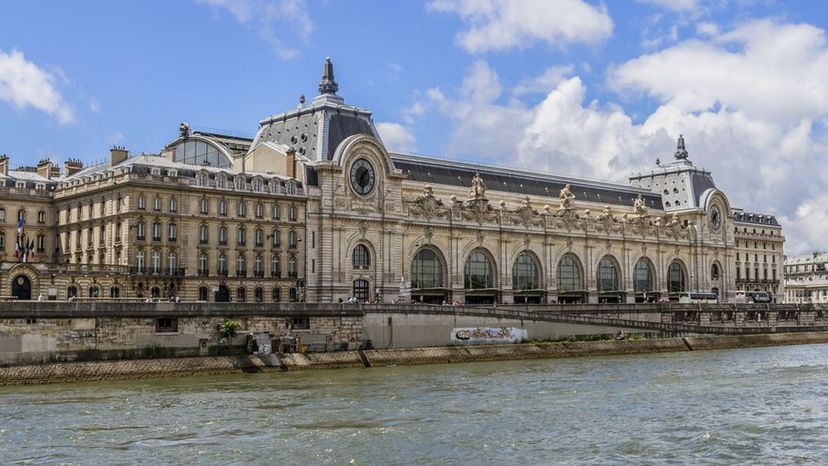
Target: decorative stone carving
(606, 222)
(427, 205)
(566, 197)
(184, 130)
(526, 215)
(479, 210)
(640, 207)
(674, 228)
(478, 188)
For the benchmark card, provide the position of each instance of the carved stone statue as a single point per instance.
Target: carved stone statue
(478, 188)
(566, 198)
(183, 129)
(640, 207)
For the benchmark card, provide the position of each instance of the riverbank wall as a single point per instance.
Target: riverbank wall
(134, 369)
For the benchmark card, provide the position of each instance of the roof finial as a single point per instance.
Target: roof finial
(328, 84)
(681, 151)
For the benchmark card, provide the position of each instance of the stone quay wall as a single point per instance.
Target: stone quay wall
(251, 364)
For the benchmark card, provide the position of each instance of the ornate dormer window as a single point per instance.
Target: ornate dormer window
(221, 181)
(256, 185)
(238, 183)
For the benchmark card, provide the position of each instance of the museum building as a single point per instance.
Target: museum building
(316, 208)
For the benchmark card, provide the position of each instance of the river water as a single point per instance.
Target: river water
(763, 405)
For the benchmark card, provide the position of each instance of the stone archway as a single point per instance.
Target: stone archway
(22, 288)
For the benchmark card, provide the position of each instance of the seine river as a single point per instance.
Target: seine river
(765, 405)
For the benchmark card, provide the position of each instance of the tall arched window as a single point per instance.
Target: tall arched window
(715, 273)
(173, 204)
(222, 265)
(259, 212)
(241, 294)
(258, 294)
(203, 293)
(525, 273)
(259, 266)
(608, 279)
(204, 206)
(292, 239)
(426, 270)
(241, 234)
(361, 258)
(643, 276)
(479, 273)
(222, 207)
(241, 266)
(203, 234)
(569, 274)
(675, 277)
(203, 260)
(275, 266)
(277, 295)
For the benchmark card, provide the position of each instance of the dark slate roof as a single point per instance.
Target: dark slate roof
(454, 173)
(342, 126)
(701, 181)
(756, 219)
(298, 131)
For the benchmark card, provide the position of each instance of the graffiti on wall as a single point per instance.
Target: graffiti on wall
(477, 335)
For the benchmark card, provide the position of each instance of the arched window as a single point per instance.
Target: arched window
(292, 212)
(156, 262)
(173, 204)
(259, 211)
(204, 206)
(195, 152)
(258, 266)
(203, 260)
(156, 231)
(203, 234)
(276, 238)
(155, 292)
(203, 293)
(171, 264)
(361, 291)
(94, 292)
(241, 266)
(72, 292)
(201, 179)
(277, 295)
(156, 203)
(525, 273)
(2, 215)
(643, 276)
(277, 212)
(256, 185)
(569, 274)
(479, 273)
(292, 239)
(222, 210)
(675, 277)
(715, 273)
(139, 261)
(608, 279)
(275, 266)
(239, 183)
(222, 235)
(426, 270)
(222, 264)
(221, 181)
(241, 234)
(294, 295)
(258, 237)
(142, 203)
(241, 294)
(258, 294)
(114, 292)
(361, 257)
(241, 209)
(292, 267)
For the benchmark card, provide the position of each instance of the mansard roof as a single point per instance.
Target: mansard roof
(755, 219)
(457, 173)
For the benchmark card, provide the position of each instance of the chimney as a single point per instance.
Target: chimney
(44, 168)
(72, 166)
(117, 155)
(4, 165)
(291, 163)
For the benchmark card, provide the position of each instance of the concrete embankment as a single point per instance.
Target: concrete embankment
(168, 367)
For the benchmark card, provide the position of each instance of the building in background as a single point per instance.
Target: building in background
(806, 278)
(210, 216)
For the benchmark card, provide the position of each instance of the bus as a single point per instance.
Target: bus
(753, 297)
(687, 298)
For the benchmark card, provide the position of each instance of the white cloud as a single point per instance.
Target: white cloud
(23, 84)
(707, 29)
(396, 136)
(674, 5)
(278, 22)
(507, 24)
(750, 102)
(543, 83)
(95, 105)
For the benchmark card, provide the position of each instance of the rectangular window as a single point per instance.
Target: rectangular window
(300, 323)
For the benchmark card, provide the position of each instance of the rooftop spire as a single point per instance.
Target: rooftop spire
(681, 151)
(328, 84)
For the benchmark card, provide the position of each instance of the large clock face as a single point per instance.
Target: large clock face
(715, 217)
(362, 177)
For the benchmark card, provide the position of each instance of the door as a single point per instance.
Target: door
(223, 294)
(22, 287)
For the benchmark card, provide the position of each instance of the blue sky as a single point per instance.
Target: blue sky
(577, 87)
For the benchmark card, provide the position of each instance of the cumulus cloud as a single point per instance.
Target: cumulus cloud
(396, 136)
(673, 5)
(748, 101)
(274, 21)
(23, 84)
(543, 83)
(507, 24)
